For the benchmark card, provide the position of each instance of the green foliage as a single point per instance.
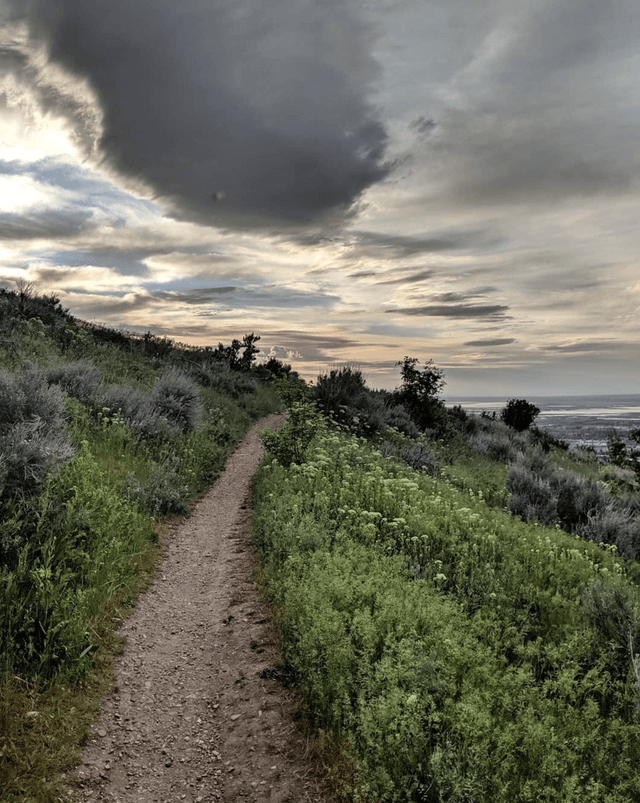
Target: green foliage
(577, 504)
(623, 454)
(164, 493)
(83, 467)
(463, 654)
(340, 393)
(79, 378)
(289, 444)
(519, 414)
(175, 397)
(32, 438)
(419, 393)
(79, 541)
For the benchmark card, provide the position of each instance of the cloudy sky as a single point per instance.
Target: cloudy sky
(354, 180)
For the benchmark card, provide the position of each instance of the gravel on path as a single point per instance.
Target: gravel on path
(189, 717)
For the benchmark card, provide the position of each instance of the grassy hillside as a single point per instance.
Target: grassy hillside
(103, 435)
(460, 607)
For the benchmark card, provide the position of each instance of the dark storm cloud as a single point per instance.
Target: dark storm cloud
(46, 224)
(498, 341)
(243, 114)
(454, 311)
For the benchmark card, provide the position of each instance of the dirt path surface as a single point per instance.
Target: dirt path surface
(190, 719)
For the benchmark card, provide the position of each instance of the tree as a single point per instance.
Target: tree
(419, 392)
(250, 351)
(519, 414)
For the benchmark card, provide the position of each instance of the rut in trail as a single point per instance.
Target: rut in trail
(189, 718)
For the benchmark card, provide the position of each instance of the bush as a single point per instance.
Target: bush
(398, 417)
(339, 391)
(79, 379)
(28, 452)
(579, 499)
(613, 525)
(613, 611)
(28, 397)
(175, 398)
(545, 440)
(219, 376)
(32, 436)
(519, 414)
(414, 454)
(497, 445)
(135, 409)
(530, 495)
(289, 444)
(164, 493)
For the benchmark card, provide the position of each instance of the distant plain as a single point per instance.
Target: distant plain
(578, 420)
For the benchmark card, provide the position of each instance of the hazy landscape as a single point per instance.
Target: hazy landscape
(578, 420)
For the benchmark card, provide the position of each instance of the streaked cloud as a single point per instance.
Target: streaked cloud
(497, 341)
(454, 310)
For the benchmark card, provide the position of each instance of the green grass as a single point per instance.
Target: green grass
(78, 551)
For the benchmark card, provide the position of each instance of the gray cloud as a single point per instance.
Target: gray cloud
(248, 297)
(585, 347)
(320, 348)
(454, 311)
(422, 125)
(363, 274)
(242, 115)
(126, 261)
(538, 105)
(46, 224)
(370, 243)
(451, 297)
(410, 279)
(498, 341)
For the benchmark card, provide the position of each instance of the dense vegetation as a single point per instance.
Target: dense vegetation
(460, 607)
(457, 595)
(102, 434)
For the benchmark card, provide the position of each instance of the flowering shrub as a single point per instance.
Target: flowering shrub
(461, 653)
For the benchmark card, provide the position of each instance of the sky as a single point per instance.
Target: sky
(353, 180)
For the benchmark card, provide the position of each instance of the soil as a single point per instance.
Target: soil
(190, 718)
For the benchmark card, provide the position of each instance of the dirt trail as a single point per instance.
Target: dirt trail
(189, 718)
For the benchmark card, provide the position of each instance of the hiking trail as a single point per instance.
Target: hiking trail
(189, 717)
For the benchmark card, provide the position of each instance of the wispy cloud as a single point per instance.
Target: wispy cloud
(45, 225)
(498, 341)
(492, 311)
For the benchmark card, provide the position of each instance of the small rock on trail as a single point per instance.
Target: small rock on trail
(190, 719)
